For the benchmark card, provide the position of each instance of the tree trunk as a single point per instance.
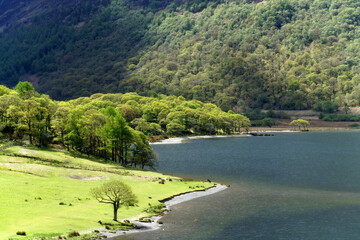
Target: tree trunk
(113, 153)
(115, 212)
(30, 135)
(62, 136)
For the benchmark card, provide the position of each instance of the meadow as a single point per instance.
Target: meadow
(47, 192)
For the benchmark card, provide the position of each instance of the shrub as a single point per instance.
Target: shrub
(326, 106)
(340, 117)
(268, 122)
(156, 209)
(354, 125)
(21, 233)
(74, 234)
(255, 114)
(146, 220)
(114, 226)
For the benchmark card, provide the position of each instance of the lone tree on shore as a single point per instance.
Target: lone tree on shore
(300, 123)
(116, 193)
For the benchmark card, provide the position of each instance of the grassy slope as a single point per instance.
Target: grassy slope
(57, 176)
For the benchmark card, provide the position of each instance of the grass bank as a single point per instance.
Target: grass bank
(46, 192)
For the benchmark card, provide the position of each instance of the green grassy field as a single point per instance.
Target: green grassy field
(47, 192)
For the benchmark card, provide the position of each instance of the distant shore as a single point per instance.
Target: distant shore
(177, 140)
(315, 125)
(282, 126)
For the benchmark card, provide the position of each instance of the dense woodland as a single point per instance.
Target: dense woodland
(111, 126)
(240, 55)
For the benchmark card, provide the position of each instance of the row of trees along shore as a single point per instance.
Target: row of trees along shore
(111, 126)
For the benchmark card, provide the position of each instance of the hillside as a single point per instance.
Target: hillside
(46, 193)
(276, 54)
(15, 12)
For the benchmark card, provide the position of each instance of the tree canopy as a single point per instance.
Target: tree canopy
(275, 54)
(110, 126)
(301, 123)
(116, 193)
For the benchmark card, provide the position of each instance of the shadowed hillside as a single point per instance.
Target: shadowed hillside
(15, 12)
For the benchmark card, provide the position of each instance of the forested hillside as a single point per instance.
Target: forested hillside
(276, 54)
(15, 12)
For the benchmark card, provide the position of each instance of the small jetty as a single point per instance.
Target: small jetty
(255, 134)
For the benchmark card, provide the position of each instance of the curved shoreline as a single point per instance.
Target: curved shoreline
(169, 202)
(179, 140)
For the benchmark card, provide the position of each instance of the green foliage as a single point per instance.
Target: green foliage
(175, 128)
(156, 209)
(116, 193)
(142, 152)
(340, 118)
(268, 122)
(301, 123)
(326, 107)
(271, 54)
(24, 89)
(111, 126)
(276, 54)
(257, 114)
(117, 226)
(26, 114)
(4, 90)
(55, 45)
(354, 125)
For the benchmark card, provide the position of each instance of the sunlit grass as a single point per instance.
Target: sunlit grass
(34, 183)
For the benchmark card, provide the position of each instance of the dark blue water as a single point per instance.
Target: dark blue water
(289, 186)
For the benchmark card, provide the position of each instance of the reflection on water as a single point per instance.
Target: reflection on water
(290, 186)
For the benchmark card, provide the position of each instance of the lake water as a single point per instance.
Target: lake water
(289, 186)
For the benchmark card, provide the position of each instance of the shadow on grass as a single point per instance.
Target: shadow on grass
(113, 167)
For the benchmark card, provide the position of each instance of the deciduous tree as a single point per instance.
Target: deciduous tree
(301, 123)
(116, 193)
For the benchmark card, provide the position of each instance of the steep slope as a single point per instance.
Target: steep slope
(58, 50)
(15, 12)
(281, 54)
(273, 54)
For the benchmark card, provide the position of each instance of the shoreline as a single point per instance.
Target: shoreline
(169, 202)
(178, 140)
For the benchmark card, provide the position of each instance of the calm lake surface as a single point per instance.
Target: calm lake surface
(289, 186)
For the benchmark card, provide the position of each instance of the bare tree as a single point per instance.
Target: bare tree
(116, 193)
